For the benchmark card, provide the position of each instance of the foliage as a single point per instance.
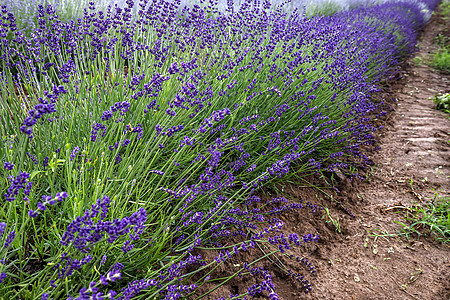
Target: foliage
(133, 143)
(26, 11)
(432, 218)
(441, 60)
(418, 60)
(326, 8)
(441, 40)
(330, 219)
(442, 102)
(445, 9)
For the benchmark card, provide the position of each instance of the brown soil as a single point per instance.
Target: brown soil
(368, 260)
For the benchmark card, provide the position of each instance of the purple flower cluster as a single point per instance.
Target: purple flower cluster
(17, 184)
(107, 115)
(74, 153)
(93, 291)
(156, 172)
(304, 261)
(44, 107)
(252, 95)
(265, 285)
(27, 191)
(301, 278)
(3, 276)
(138, 129)
(134, 287)
(9, 239)
(47, 200)
(174, 271)
(33, 158)
(2, 228)
(45, 162)
(123, 107)
(8, 166)
(85, 231)
(125, 143)
(69, 265)
(95, 129)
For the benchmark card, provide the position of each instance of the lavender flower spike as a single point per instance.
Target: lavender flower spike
(8, 166)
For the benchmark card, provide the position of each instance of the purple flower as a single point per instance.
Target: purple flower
(83, 232)
(3, 277)
(254, 289)
(8, 166)
(95, 129)
(17, 185)
(70, 265)
(138, 128)
(118, 159)
(2, 228)
(44, 107)
(110, 277)
(33, 213)
(60, 196)
(74, 153)
(10, 238)
(273, 296)
(134, 288)
(114, 274)
(103, 261)
(33, 158)
(107, 115)
(45, 162)
(123, 107)
(92, 292)
(47, 200)
(156, 172)
(41, 206)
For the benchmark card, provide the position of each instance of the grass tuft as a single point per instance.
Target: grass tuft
(442, 102)
(431, 219)
(441, 60)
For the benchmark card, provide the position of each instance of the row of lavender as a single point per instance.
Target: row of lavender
(129, 144)
(67, 10)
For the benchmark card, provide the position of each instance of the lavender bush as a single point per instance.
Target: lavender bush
(132, 142)
(25, 11)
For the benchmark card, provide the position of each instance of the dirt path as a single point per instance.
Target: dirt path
(414, 160)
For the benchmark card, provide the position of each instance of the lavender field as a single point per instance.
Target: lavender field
(137, 137)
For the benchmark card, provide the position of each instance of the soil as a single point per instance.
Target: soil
(368, 259)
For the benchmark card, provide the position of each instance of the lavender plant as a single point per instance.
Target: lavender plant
(132, 142)
(25, 11)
